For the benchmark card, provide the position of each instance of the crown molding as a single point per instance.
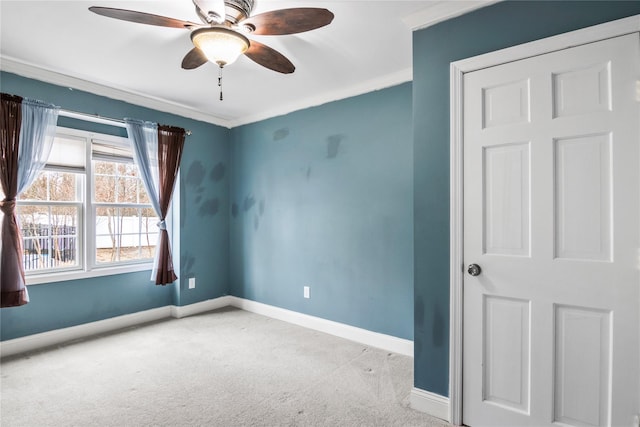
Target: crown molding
(372, 85)
(442, 11)
(28, 70)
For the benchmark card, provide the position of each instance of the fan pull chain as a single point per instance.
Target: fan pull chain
(220, 82)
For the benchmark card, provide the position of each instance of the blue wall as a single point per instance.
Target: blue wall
(323, 197)
(203, 221)
(495, 27)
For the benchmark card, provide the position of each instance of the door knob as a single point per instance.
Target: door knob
(474, 269)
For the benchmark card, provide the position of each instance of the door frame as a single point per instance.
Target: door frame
(457, 71)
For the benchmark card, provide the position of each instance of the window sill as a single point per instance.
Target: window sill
(40, 279)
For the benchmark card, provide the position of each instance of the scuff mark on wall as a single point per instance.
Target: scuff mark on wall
(438, 326)
(195, 175)
(249, 201)
(333, 145)
(418, 310)
(183, 207)
(280, 134)
(210, 207)
(186, 263)
(218, 172)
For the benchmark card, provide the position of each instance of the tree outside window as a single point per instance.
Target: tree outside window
(125, 223)
(49, 218)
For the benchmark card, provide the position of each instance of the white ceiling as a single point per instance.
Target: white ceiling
(366, 47)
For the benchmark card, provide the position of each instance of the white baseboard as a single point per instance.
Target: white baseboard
(373, 339)
(64, 335)
(60, 336)
(430, 403)
(199, 307)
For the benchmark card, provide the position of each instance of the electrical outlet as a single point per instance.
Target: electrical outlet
(306, 292)
(192, 282)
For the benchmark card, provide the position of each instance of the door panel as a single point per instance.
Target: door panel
(506, 368)
(506, 199)
(583, 197)
(582, 371)
(551, 214)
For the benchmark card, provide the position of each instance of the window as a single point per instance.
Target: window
(50, 219)
(125, 221)
(87, 211)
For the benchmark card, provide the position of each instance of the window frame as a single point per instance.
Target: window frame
(80, 229)
(88, 266)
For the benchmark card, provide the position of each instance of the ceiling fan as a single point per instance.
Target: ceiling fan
(222, 36)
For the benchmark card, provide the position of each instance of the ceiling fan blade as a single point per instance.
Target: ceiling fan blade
(211, 11)
(193, 59)
(269, 58)
(289, 21)
(142, 17)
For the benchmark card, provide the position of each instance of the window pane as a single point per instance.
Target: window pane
(64, 235)
(107, 234)
(54, 186)
(118, 183)
(142, 193)
(37, 190)
(128, 190)
(127, 169)
(50, 237)
(63, 187)
(149, 232)
(125, 234)
(105, 189)
(104, 168)
(34, 223)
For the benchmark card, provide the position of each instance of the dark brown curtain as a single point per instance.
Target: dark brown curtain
(13, 291)
(170, 145)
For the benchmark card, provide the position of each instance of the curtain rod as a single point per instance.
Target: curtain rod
(97, 119)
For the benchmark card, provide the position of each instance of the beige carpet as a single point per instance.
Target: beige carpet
(224, 368)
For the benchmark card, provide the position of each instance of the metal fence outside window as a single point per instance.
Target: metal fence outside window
(48, 247)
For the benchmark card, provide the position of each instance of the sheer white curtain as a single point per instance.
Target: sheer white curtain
(36, 139)
(144, 139)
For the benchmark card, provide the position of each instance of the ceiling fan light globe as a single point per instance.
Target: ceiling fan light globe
(220, 45)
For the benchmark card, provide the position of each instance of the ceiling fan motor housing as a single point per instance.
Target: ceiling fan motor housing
(237, 10)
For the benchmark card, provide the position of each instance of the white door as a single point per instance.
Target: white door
(551, 216)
